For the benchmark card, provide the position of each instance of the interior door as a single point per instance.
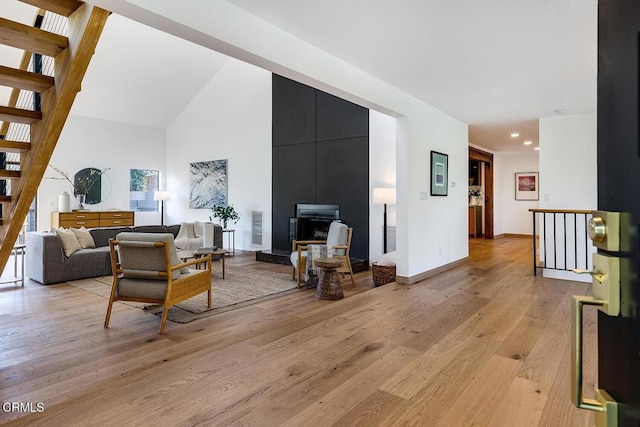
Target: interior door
(619, 191)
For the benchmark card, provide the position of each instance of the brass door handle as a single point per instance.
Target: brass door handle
(598, 276)
(606, 407)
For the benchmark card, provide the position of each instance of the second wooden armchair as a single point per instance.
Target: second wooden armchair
(338, 244)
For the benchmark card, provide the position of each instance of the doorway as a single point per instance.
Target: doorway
(481, 178)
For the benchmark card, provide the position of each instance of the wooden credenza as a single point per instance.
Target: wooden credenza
(92, 219)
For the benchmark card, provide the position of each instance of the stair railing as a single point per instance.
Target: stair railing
(561, 240)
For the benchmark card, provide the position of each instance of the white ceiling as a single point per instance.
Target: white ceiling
(498, 65)
(496, 62)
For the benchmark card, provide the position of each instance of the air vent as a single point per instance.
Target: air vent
(256, 228)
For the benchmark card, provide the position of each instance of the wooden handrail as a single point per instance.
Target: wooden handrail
(577, 211)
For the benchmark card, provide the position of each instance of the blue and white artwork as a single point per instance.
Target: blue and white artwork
(208, 186)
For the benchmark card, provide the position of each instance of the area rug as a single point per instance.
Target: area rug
(240, 287)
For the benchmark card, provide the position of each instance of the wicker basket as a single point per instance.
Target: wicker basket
(383, 274)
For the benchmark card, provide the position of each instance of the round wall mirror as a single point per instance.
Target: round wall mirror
(94, 183)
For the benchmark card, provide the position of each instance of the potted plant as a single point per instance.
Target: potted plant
(225, 214)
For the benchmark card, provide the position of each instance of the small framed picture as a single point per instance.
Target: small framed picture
(527, 186)
(439, 174)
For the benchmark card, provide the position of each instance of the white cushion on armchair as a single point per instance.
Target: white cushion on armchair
(190, 239)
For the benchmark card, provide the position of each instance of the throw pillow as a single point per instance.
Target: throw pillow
(84, 237)
(68, 240)
(388, 259)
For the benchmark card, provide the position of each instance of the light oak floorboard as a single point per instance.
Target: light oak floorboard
(483, 344)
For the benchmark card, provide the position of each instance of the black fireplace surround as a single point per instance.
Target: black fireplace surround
(320, 156)
(312, 221)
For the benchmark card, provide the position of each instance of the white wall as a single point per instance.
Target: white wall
(568, 169)
(229, 119)
(87, 142)
(512, 216)
(431, 231)
(382, 173)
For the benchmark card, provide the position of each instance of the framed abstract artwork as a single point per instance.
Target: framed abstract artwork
(439, 174)
(208, 186)
(527, 186)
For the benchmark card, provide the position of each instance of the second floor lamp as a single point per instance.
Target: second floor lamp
(384, 196)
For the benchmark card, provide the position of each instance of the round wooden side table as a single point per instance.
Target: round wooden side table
(329, 286)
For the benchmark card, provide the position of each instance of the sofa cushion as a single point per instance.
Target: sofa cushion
(68, 240)
(150, 229)
(173, 229)
(101, 236)
(84, 237)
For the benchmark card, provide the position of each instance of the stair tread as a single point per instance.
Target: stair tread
(17, 115)
(9, 174)
(31, 39)
(8, 146)
(61, 7)
(26, 80)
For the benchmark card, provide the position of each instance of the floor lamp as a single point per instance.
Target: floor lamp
(384, 196)
(161, 196)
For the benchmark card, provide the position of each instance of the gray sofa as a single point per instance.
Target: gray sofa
(47, 264)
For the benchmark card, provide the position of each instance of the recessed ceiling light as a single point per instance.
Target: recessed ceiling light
(515, 135)
(527, 143)
(536, 148)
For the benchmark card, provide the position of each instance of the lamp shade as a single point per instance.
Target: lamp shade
(384, 196)
(161, 195)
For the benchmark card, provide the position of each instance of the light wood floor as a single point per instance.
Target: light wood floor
(485, 344)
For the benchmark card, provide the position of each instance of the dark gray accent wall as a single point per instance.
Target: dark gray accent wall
(320, 155)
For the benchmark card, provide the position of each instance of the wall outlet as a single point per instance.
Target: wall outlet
(453, 184)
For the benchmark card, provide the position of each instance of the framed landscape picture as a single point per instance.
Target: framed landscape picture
(527, 186)
(439, 174)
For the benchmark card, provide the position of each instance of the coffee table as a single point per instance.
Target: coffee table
(185, 255)
(199, 253)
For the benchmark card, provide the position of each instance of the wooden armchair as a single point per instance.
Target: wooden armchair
(146, 268)
(337, 243)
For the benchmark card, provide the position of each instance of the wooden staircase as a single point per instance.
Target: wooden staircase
(71, 57)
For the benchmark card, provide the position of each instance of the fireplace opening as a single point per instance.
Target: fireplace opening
(312, 221)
